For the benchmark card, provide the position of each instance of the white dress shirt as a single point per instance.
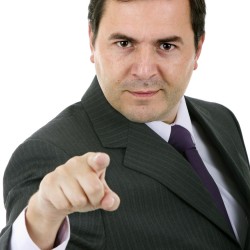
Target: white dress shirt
(20, 238)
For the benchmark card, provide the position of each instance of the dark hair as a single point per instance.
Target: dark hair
(197, 13)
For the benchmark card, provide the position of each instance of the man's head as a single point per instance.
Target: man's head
(197, 15)
(144, 53)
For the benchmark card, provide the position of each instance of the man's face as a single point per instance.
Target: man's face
(144, 56)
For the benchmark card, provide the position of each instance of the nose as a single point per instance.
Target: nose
(144, 65)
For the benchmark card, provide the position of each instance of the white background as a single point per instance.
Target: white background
(44, 65)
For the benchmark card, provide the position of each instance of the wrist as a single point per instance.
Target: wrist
(42, 225)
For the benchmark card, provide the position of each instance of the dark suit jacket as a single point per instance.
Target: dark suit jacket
(163, 203)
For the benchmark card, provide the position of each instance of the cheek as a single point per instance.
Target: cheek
(110, 91)
(182, 72)
(107, 68)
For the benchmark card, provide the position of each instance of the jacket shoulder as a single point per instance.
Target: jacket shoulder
(67, 130)
(216, 111)
(218, 117)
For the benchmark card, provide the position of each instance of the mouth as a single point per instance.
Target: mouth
(143, 94)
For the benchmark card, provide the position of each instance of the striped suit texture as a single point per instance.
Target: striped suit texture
(164, 206)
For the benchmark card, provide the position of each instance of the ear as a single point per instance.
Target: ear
(198, 52)
(91, 36)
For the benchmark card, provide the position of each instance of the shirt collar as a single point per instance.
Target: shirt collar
(183, 119)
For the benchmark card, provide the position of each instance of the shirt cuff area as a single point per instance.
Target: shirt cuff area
(20, 238)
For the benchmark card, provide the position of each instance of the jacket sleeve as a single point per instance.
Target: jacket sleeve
(31, 161)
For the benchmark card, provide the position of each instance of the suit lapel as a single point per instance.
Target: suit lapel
(149, 154)
(226, 140)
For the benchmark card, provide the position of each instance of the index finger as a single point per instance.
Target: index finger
(98, 162)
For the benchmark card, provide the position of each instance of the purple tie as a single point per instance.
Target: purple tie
(181, 140)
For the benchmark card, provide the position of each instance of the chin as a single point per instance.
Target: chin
(141, 117)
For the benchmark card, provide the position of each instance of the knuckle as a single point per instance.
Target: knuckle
(59, 170)
(80, 203)
(48, 180)
(63, 206)
(74, 161)
(76, 165)
(96, 188)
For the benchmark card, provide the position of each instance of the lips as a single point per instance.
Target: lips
(143, 94)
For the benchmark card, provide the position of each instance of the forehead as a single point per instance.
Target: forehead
(182, 4)
(146, 15)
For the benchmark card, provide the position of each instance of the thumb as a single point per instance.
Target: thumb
(111, 200)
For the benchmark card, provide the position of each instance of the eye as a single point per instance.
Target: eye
(167, 46)
(124, 44)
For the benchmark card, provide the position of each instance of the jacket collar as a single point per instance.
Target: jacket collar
(110, 126)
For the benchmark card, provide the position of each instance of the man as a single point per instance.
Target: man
(114, 146)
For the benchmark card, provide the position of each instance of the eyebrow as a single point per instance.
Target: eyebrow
(171, 39)
(120, 36)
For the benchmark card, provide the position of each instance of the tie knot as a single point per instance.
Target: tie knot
(180, 139)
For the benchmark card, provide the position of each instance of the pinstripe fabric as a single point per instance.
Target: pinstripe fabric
(163, 203)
